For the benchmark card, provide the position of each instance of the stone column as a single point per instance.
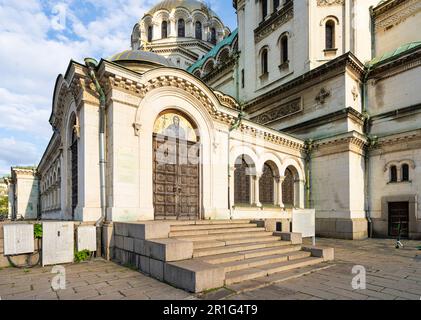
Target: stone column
(278, 192)
(256, 189)
(172, 25)
(299, 194)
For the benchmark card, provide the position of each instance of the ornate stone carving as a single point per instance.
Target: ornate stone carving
(355, 93)
(396, 14)
(279, 112)
(322, 96)
(323, 3)
(137, 127)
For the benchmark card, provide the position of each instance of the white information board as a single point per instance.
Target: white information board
(304, 222)
(57, 242)
(18, 238)
(86, 238)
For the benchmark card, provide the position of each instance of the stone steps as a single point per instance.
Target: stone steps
(208, 222)
(238, 247)
(237, 256)
(262, 261)
(268, 269)
(224, 236)
(221, 243)
(211, 226)
(175, 234)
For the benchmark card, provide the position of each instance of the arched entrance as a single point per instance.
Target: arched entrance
(176, 167)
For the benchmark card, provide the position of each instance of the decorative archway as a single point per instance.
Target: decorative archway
(176, 167)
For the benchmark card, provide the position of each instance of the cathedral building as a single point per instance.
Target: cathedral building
(312, 104)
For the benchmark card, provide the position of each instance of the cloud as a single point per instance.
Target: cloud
(18, 153)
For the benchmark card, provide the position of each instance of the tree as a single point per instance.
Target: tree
(4, 207)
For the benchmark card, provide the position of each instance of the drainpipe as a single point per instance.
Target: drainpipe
(92, 64)
(233, 127)
(309, 149)
(372, 140)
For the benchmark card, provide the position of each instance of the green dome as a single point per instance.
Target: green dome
(140, 56)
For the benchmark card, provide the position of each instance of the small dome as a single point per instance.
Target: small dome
(140, 56)
(190, 5)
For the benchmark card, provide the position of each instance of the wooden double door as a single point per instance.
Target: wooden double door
(176, 178)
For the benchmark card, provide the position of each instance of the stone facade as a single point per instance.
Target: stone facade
(23, 189)
(299, 108)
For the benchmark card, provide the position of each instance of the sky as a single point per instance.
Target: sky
(38, 38)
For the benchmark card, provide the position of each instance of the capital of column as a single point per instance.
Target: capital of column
(280, 179)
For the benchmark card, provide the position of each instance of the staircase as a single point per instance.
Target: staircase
(244, 250)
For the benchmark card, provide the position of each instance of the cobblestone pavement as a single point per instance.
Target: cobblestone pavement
(391, 274)
(97, 279)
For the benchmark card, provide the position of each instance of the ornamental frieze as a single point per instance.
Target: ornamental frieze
(279, 112)
(324, 3)
(400, 14)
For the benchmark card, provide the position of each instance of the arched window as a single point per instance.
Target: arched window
(181, 28)
(288, 185)
(241, 182)
(264, 62)
(405, 172)
(164, 30)
(264, 9)
(330, 34)
(198, 30)
(266, 185)
(393, 174)
(213, 36)
(150, 33)
(284, 49)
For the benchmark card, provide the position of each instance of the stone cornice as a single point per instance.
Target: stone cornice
(346, 113)
(399, 139)
(395, 12)
(350, 141)
(395, 66)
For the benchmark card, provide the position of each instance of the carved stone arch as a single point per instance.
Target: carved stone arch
(182, 13)
(329, 17)
(198, 15)
(251, 157)
(166, 77)
(275, 162)
(223, 54)
(161, 15)
(290, 162)
(409, 162)
(208, 66)
(197, 73)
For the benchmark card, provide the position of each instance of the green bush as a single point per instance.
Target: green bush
(83, 255)
(38, 231)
